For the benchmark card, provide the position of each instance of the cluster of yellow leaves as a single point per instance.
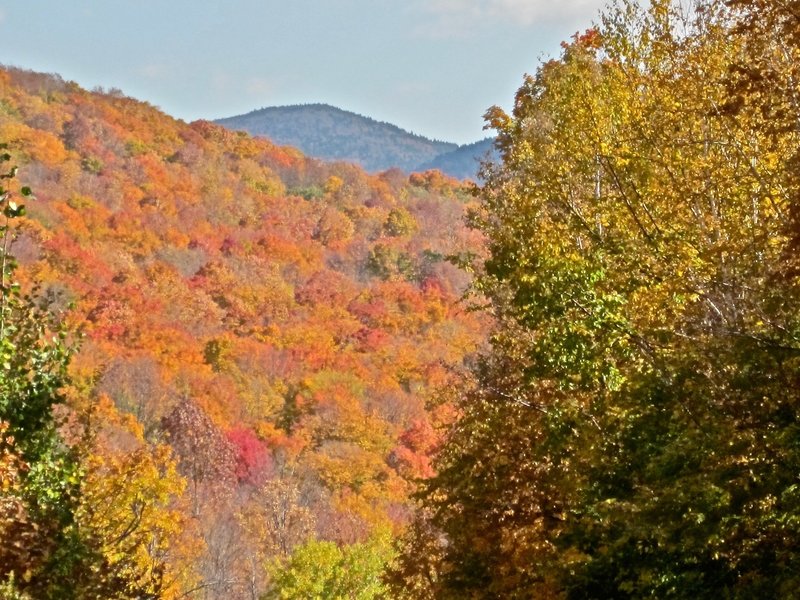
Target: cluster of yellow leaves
(131, 503)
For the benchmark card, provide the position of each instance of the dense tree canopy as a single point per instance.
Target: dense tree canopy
(634, 431)
(261, 332)
(274, 349)
(74, 522)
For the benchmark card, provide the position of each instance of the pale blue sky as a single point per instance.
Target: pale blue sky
(430, 66)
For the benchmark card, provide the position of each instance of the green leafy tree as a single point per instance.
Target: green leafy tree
(33, 362)
(324, 571)
(33, 355)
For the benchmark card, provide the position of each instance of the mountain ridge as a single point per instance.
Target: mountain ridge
(464, 161)
(331, 133)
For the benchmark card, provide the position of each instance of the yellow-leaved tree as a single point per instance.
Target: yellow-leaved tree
(633, 432)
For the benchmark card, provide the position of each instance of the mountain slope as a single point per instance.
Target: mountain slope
(280, 322)
(463, 162)
(330, 133)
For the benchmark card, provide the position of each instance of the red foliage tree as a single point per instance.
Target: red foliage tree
(253, 460)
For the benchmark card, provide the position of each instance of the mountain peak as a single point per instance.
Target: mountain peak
(330, 133)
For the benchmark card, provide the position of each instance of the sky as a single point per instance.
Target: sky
(432, 67)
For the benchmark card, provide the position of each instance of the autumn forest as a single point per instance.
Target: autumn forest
(230, 370)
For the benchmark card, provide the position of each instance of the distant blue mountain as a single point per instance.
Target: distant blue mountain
(329, 133)
(464, 161)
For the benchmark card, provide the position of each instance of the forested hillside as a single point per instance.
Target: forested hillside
(231, 371)
(252, 338)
